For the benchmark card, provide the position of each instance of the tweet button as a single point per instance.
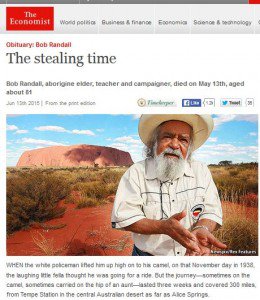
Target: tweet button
(231, 102)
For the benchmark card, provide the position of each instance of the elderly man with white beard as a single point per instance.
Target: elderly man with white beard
(169, 201)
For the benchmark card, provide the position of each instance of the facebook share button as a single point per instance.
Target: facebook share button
(191, 102)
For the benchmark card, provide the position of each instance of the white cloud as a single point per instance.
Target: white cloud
(131, 144)
(248, 118)
(137, 146)
(215, 153)
(39, 142)
(120, 146)
(229, 147)
(16, 152)
(86, 132)
(11, 154)
(220, 119)
(127, 139)
(11, 127)
(134, 150)
(51, 128)
(135, 117)
(253, 133)
(213, 139)
(100, 130)
(62, 129)
(21, 131)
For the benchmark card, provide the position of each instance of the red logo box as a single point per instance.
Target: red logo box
(30, 18)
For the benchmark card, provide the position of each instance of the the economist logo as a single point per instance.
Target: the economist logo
(30, 18)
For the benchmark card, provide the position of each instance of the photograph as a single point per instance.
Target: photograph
(132, 185)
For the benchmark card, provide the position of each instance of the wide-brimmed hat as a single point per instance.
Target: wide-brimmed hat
(202, 126)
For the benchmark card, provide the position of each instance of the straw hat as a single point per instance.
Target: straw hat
(202, 126)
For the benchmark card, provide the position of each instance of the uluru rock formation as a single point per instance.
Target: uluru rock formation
(76, 155)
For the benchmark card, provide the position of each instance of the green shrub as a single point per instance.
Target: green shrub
(94, 190)
(235, 181)
(33, 193)
(239, 235)
(233, 173)
(112, 176)
(33, 196)
(86, 202)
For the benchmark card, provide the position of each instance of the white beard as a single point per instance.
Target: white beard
(168, 168)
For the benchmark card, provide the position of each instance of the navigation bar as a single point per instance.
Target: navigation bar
(144, 19)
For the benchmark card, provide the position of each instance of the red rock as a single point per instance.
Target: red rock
(76, 155)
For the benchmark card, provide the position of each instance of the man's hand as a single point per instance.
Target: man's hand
(170, 227)
(176, 231)
(205, 242)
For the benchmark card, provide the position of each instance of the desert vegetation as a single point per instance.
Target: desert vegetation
(237, 183)
(238, 189)
(36, 195)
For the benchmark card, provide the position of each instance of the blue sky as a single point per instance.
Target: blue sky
(235, 137)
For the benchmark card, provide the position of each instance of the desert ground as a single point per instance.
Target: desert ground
(66, 211)
(85, 231)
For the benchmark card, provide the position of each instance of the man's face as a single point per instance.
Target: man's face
(175, 135)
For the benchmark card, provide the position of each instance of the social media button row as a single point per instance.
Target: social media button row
(224, 102)
(196, 102)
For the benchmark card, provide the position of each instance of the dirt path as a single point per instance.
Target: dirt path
(85, 231)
